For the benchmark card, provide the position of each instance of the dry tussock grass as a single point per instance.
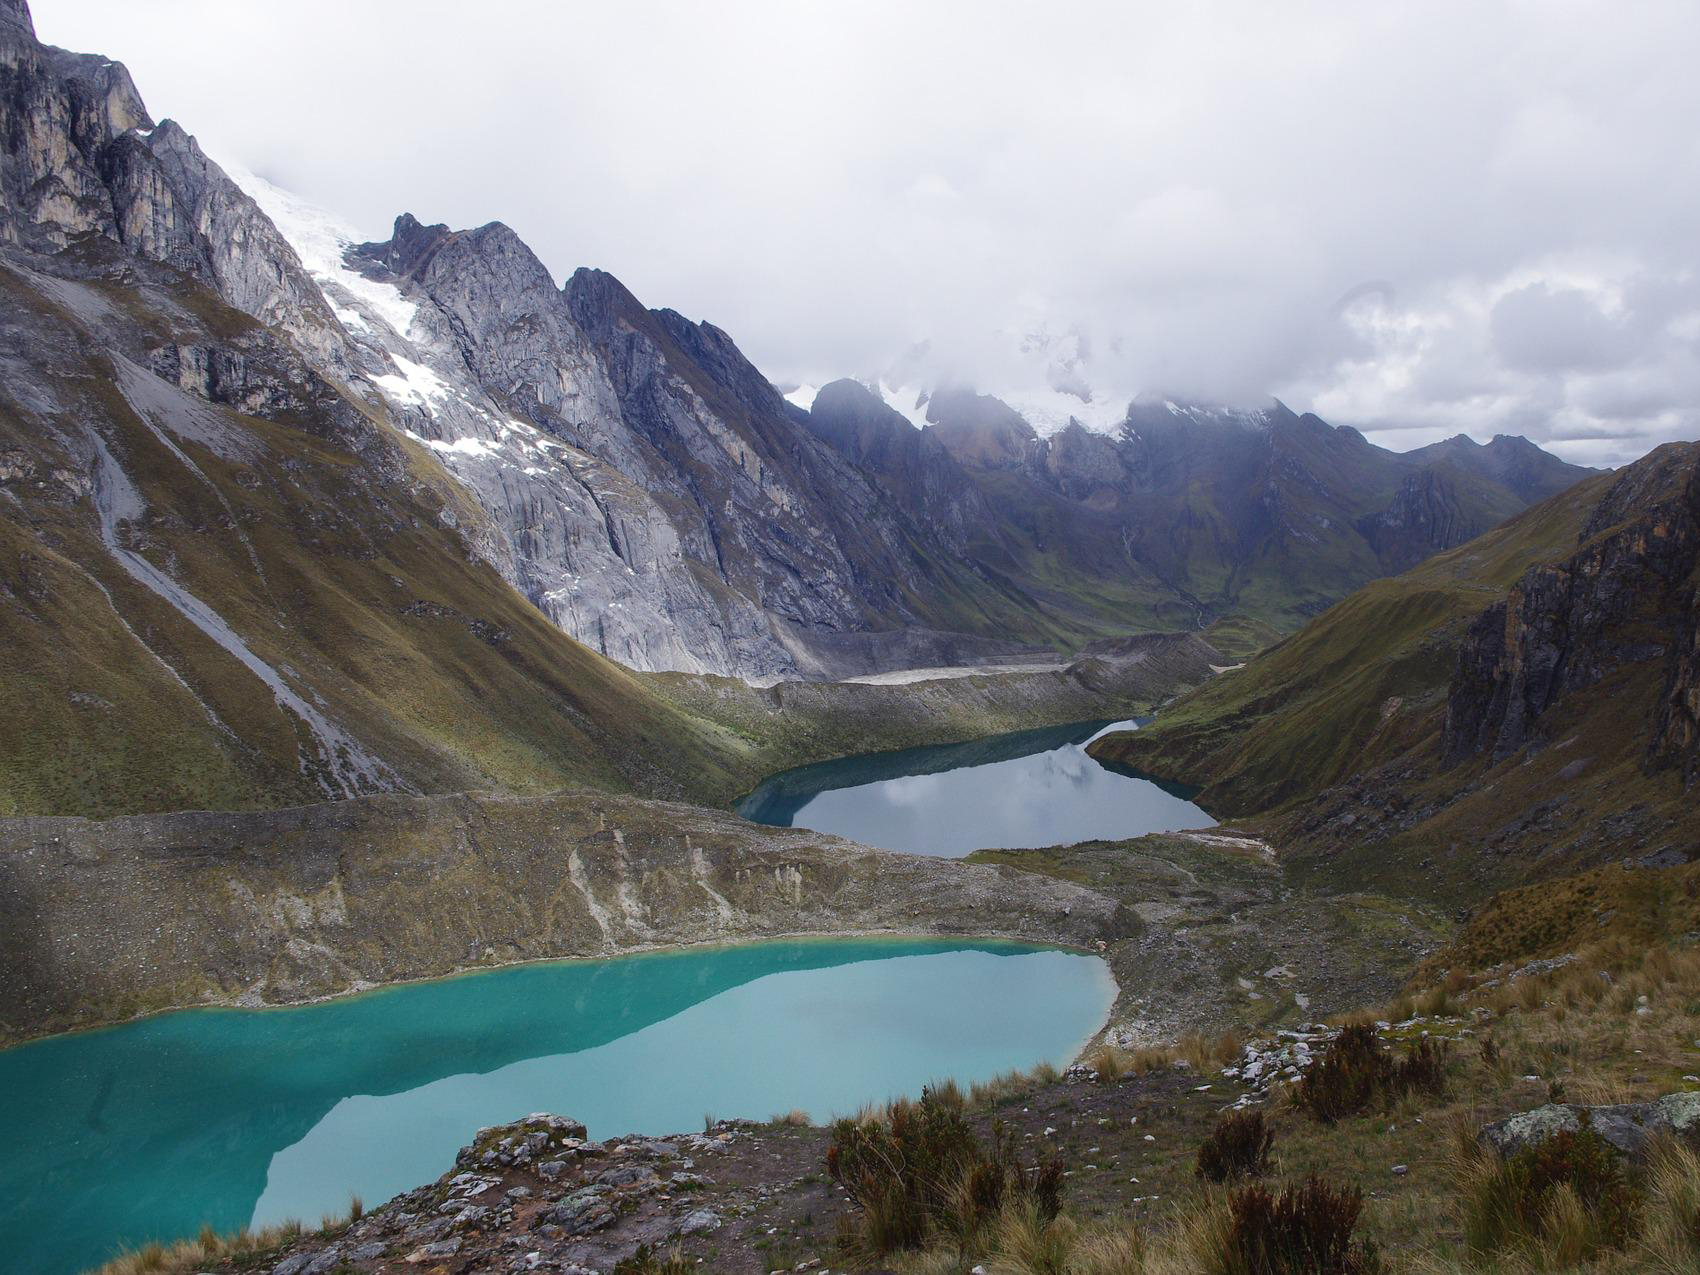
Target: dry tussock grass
(210, 1248)
(1595, 1038)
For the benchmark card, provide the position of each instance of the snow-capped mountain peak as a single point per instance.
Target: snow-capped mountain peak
(322, 241)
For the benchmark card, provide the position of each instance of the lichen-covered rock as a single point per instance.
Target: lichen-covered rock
(1626, 1126)
(583, 1211)
(607, 1201)
(540, 1137)
(699, 1222)
(84, 155)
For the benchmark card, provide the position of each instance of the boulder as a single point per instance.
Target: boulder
(698, 1222)
(1627, 1126)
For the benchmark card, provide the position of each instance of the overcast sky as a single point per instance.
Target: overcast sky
(1416, 218)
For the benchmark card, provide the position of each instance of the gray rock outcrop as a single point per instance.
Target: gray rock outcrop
(1627, 1126)
(103, 919)
(85, 157)
(1625, 596)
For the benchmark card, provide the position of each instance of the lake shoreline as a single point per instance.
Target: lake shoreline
(1030, 788)
(143, 914)
(657, 949)
(255, 1118)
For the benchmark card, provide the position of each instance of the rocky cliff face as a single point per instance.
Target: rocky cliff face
(1198, 513)
(1625, 597)
(60, 113)
(913, 464)
(981, 432)
(1514, 463)
(1432, 511)
(1677, 740)
(1412, 738)
(783, 517)
(106, 920)
(499, 380)
(637, 480)
(83, 156)
(660, 501)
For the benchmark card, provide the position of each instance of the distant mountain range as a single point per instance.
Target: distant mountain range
(644, 486)
(1185, 516)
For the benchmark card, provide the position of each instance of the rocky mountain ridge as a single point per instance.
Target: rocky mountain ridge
(636, 479)
(226, 578)
(285, 465)
(1516, 709)
(1198, 514)
(1626, 596)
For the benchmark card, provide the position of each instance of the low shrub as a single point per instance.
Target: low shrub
(1142, 1062)
(646, 1262)
(986, 1093)
(1434, 1003)
(1350, 1074)
(1206, 1053)
(921, 1172)
(244, 1248)
(1110, 1250)
(948, 1092)
(1025, 1242)
(1563, 1201)
(1306, 1230)
(1237, 1147)
(1108, 1064)
(1356, 1070)
(1422, 1069)
(1028, 1243)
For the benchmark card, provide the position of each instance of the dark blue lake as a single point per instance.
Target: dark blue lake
(1033, 788)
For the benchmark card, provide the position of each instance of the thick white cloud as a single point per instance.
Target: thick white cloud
(1419, 218)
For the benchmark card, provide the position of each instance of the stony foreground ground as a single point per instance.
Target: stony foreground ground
(744, 1198)
(750, 1199)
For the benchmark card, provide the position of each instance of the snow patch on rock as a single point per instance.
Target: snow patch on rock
(321, 240)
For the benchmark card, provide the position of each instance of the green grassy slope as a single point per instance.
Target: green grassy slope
(1332, 741)
(327, 547)
(340, 554)
(1315, 707)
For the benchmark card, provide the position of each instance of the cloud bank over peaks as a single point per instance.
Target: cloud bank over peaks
(1599, 361)
(1418, 217)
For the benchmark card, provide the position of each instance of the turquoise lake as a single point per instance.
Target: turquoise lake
(230, 1117)
(1032, 788)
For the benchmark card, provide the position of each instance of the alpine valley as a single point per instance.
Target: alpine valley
(375, 612)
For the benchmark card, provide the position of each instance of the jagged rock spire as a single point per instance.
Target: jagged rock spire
(16, 13)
